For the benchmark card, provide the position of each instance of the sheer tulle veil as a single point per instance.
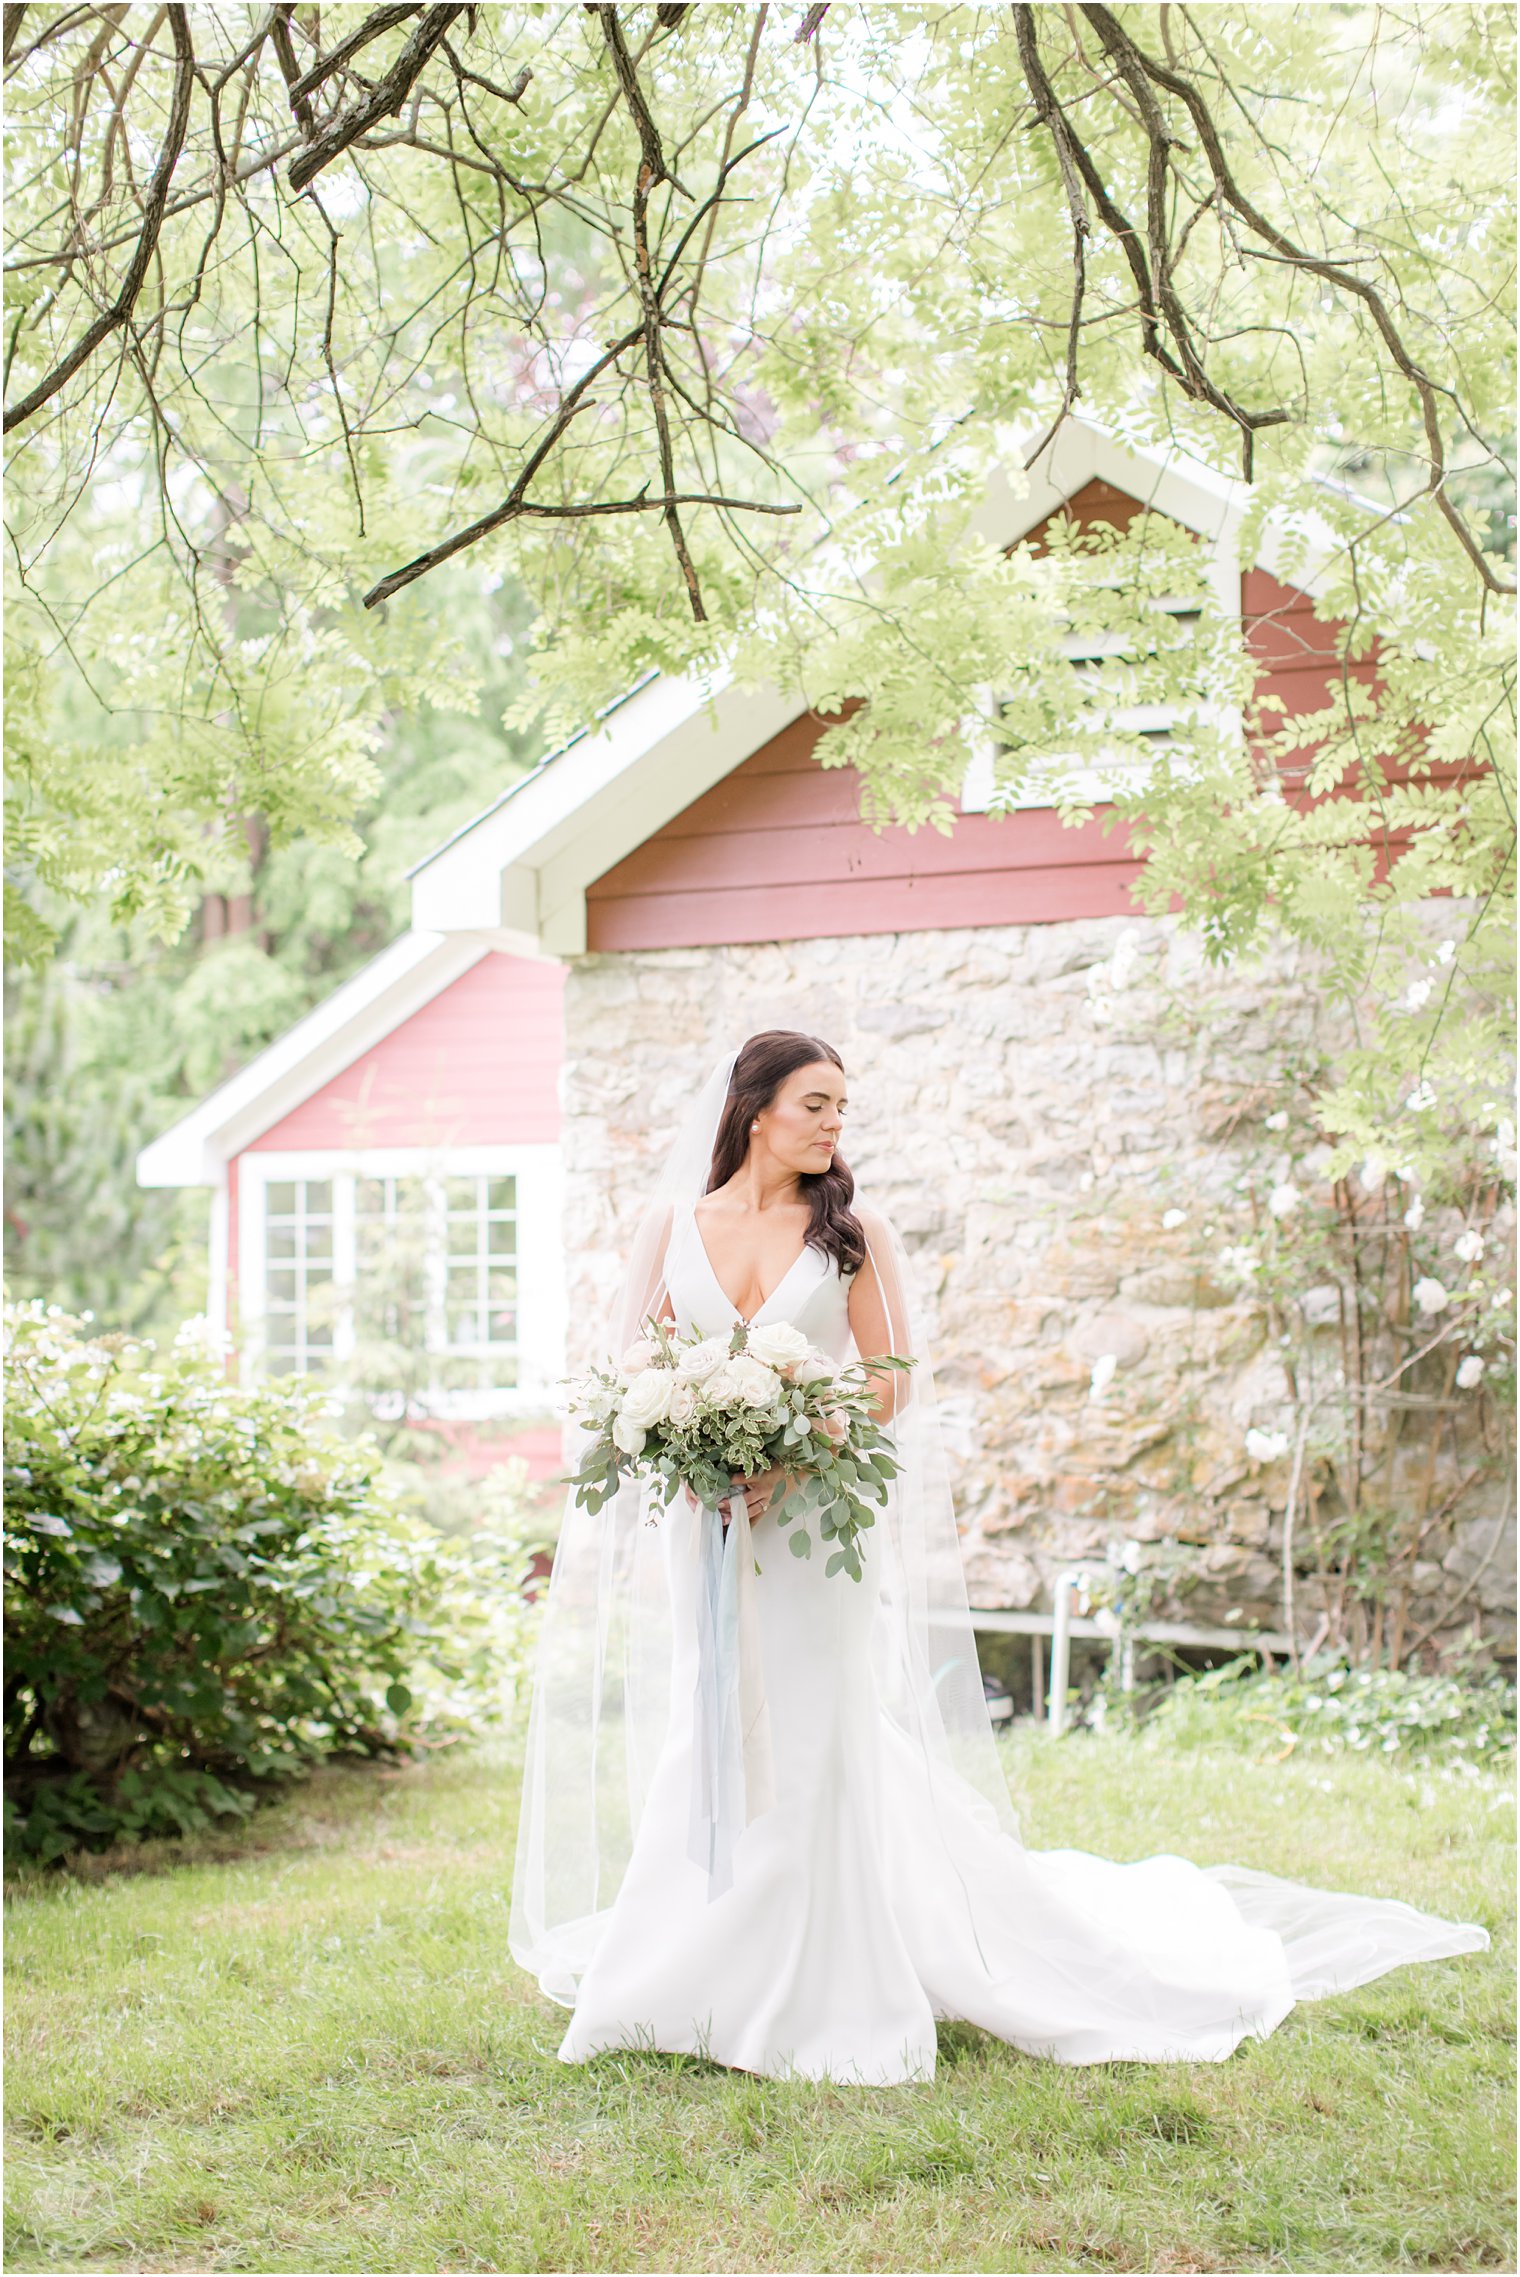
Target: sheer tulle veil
(602, 1695)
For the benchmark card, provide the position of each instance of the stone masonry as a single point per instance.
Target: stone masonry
(1029, 1103)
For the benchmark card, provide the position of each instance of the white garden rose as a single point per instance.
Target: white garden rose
(684, 1395)
(647, 1399)
(698, 1362)
(742, 1382)
(755, 1385)
(628, 1437)
(778, 1345)
(1430, 1297)
(718, 1389)
(814, 1368)
(638, 1357)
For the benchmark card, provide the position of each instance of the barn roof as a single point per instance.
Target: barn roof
(515, 877)
(518, 873)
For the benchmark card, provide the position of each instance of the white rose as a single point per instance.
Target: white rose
(627, 1437)
(699, 1361)
(1430, 1296)
(647, 1399)
(1470, 1372)
(1283, 1200)
(741, 1382)
(778, 1345)
(1469, 1247)
(815, 1368)
(638, 1357)
(683, 1400)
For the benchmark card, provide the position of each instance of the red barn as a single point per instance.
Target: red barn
(693, 820)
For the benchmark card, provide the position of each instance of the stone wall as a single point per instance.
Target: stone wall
(1059, 1118)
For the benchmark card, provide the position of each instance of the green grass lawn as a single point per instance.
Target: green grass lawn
(306, 2048)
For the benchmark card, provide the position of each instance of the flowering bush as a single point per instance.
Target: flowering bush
(205, 1591)
(696, 1411)
(1331, 1709)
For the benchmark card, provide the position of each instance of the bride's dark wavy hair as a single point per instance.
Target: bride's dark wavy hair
(763, 1065)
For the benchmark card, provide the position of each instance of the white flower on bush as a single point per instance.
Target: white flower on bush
(779, 1346)
(1172, 1219)
(1372, 1173)
(1126, 957)
(1470, 1373)
(638, 1357)
(1417, 994)
(1279, 1121)
(701, 1360)
(1420, 1098)
(1446, 952)
(1284, 1200)
(1237, 1264)
(1414, 1216)
(1469, 1247)
(1102, 1374)
(1266, 1446)
(1430, 1296)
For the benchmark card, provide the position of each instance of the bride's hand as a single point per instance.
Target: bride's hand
(757, 1491)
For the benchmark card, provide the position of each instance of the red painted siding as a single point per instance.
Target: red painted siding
(477, 1066)
(778, 852)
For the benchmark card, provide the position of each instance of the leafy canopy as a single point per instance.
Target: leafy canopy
(709, 327)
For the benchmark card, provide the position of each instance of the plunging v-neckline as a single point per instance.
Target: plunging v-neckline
(712, 1274)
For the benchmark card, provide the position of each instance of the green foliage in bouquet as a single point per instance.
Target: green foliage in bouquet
(206, 1592)
(697, 1414)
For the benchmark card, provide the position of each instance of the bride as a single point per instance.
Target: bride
(764, 1819)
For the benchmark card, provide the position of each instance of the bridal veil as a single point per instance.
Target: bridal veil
(601, 1701)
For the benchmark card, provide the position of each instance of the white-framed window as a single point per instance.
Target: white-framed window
(432, 1275)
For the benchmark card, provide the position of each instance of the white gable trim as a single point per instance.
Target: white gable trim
(522, 868)
(410, 973)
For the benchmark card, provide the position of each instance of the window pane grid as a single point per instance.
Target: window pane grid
(430, 1265)
(480, 1281)
(298, 1276)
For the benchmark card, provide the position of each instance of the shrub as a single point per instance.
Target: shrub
(1330, 1708)
(206, 1591)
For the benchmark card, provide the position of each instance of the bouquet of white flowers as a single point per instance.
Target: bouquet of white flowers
(697, 1410)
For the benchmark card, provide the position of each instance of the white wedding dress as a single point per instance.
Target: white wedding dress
(866, 1902)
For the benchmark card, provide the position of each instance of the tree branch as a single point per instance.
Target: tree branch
(633, 96)
(383, 100)
(120, 310)
(378, 21)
